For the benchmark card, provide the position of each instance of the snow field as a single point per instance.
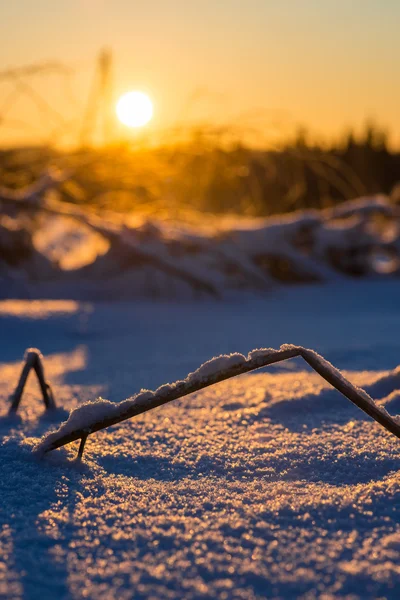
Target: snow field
(267, 485)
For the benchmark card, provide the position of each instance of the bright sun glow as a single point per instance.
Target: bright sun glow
(134, 109)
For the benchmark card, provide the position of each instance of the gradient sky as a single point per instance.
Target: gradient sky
(327, 64)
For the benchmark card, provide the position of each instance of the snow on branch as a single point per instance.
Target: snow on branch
(94, 416)
(364, 208)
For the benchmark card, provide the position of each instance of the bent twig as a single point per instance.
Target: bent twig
(92, 417)
(33, 360)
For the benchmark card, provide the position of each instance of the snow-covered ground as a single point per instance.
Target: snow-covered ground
(270, 485)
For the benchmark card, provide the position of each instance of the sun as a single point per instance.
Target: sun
(134, 109)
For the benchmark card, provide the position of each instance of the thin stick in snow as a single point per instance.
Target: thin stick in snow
(94, 416)
(33, 360)
(82, 447)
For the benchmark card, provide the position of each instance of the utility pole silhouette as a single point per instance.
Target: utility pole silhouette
(99, 110)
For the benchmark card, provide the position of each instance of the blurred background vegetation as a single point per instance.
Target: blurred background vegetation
(209, 171)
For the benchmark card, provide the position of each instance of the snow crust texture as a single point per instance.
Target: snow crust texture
(270, 485)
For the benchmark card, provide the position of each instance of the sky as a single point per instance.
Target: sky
(260, 64)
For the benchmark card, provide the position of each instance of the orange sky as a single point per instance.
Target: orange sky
(272, 65)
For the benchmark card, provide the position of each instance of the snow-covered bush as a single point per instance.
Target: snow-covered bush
(155, 258)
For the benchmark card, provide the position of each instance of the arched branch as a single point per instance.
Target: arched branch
(92, 417)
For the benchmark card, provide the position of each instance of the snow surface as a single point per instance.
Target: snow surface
(267, 485)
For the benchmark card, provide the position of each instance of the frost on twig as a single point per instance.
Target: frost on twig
(94, 416)
(33, 360)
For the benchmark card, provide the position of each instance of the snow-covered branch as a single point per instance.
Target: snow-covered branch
(94, 416)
